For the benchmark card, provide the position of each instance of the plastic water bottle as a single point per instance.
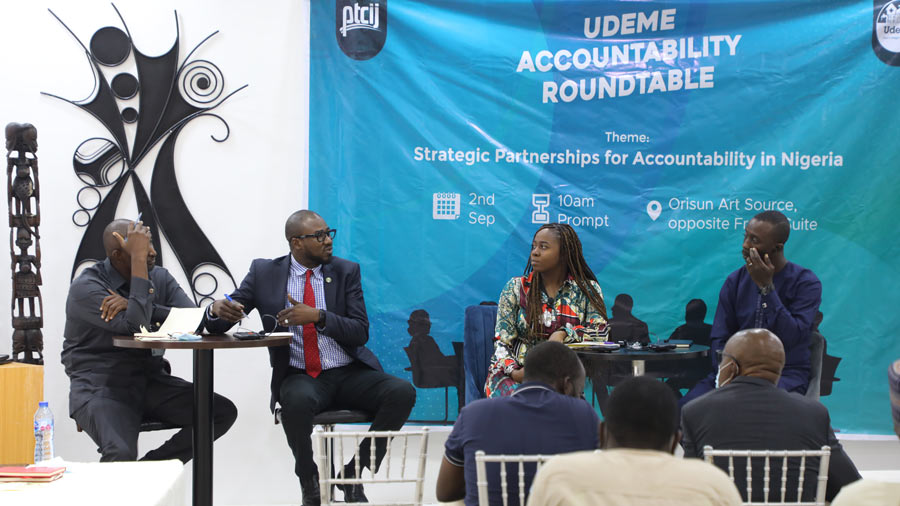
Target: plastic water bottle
(43, 433)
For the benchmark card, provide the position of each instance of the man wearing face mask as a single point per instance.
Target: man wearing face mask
(748, 412)
(767, 292)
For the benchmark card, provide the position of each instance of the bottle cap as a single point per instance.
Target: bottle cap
(42, 404)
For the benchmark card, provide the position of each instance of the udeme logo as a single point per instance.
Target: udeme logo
(886, 31)
(887, 26)
(361, 27)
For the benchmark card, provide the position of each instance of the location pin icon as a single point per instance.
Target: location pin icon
(653, 209)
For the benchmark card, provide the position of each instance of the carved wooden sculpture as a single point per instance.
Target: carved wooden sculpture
(24, 194)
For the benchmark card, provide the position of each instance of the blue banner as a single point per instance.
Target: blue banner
(443, 133)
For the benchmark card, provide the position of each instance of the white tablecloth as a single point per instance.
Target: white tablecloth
(100, 484)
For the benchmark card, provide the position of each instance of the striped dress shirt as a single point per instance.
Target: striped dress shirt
(330, 352)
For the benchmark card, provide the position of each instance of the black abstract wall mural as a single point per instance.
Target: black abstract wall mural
(169, 95)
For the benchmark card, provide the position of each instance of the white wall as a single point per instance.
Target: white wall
(240, 191)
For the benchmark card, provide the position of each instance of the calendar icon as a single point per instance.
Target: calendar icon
(445, 206)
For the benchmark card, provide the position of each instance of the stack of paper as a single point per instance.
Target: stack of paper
(181, 324)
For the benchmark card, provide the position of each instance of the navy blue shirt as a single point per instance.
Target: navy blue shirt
(533, 420)
(787, 311)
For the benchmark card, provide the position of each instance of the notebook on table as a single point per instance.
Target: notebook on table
(34, 474)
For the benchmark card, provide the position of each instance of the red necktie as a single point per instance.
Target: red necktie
(310, 335)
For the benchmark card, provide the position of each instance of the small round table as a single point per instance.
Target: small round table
(203, 395)
(639, 358)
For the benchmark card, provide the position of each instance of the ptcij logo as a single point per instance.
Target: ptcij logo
(361, 27)
(886, 31)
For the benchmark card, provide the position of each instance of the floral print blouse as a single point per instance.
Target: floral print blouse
(570, 311)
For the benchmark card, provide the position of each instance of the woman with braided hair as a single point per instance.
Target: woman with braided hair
(557, 299)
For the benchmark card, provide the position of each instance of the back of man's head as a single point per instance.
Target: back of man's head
(753, 352)
(556, 365)
(641, 413)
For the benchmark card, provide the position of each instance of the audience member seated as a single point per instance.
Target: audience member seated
(767, 292)
(558, 299)
(546, 415)
(873, 492)
(748, 412)
(113, 389)
(637, 465)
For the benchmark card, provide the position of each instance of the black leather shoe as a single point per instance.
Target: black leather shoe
(311, 495)
(353, 492)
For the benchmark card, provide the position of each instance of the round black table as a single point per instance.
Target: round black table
(203, 395)
(640, 357)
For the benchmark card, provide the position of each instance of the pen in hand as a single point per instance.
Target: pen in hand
(229, 299)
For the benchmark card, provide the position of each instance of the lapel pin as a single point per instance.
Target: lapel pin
(328, 280)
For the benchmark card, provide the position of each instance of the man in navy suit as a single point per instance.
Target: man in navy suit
(748, 411)
(319, 298)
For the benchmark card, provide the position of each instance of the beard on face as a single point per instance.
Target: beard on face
(323, 258)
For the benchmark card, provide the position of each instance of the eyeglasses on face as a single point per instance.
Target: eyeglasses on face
(319, 234)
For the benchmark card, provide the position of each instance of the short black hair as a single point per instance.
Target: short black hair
(110, 243)
(296, 219)
(550, 362)
(781, 226)
(642, 413)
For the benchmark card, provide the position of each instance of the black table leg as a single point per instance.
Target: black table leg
(203, 427)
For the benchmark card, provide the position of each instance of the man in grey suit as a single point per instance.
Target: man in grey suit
(748, 412)
(113, 389)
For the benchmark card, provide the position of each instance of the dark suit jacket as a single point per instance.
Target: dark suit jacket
(265, 289)
(752, 414)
